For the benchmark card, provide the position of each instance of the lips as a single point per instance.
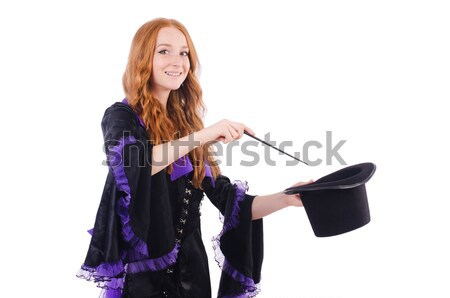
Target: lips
(173, 73)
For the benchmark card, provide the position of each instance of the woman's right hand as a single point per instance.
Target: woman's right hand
(224, 131)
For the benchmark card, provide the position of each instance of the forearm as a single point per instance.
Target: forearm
(165, 154)
(265, 205)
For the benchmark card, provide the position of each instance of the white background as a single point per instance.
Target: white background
(375, 73)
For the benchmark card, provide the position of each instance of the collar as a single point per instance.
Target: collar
(183, 166)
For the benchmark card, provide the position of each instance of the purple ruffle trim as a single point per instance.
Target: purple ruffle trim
(246, 295)
(111, 276)
(111, 293)
(124, 202)
(154, 264)
(106, 275)
(250, 288)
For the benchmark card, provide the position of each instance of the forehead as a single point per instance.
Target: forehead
(171, 36)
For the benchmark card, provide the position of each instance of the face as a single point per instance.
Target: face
(170, 61)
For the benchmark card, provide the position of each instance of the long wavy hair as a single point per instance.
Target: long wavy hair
(185, 107)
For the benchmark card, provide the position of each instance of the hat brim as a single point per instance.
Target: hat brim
(349, 177)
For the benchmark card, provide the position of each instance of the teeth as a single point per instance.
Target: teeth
(173, 73)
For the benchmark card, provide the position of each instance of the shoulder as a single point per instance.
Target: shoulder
(121, 113)
(118, 119)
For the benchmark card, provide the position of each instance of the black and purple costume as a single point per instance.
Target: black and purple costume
(147, 242)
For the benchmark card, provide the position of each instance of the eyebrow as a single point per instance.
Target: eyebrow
(168, 45)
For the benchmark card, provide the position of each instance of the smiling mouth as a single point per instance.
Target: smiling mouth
(173, 73)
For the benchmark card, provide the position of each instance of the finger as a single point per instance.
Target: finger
(224, 135)
(234, 128)
(249, 130)
(240, 132)
(229, 135)
(234, 133)
(242, 128)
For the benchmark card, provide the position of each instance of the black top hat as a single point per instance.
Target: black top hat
(337, 203)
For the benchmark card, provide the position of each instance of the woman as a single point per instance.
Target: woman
(146, 241)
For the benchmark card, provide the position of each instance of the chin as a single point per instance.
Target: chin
(174, 87)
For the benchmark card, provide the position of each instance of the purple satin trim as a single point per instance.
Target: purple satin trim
(124, 201)
(180, 167)
(91, 231)
(154, 264)
(125, 101)
(183, 166)
(231, 222)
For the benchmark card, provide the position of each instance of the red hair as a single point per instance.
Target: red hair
(185, 107)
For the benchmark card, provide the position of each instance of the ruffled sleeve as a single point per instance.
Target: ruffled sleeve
(239, 246)
(122, 231)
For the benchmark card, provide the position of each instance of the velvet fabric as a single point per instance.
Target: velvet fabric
(146, 241)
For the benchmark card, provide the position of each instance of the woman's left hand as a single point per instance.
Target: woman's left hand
(295, 200)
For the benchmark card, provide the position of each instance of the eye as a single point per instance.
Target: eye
(185, 53)
(164, 52)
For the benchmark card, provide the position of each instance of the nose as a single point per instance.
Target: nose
(176, 60)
